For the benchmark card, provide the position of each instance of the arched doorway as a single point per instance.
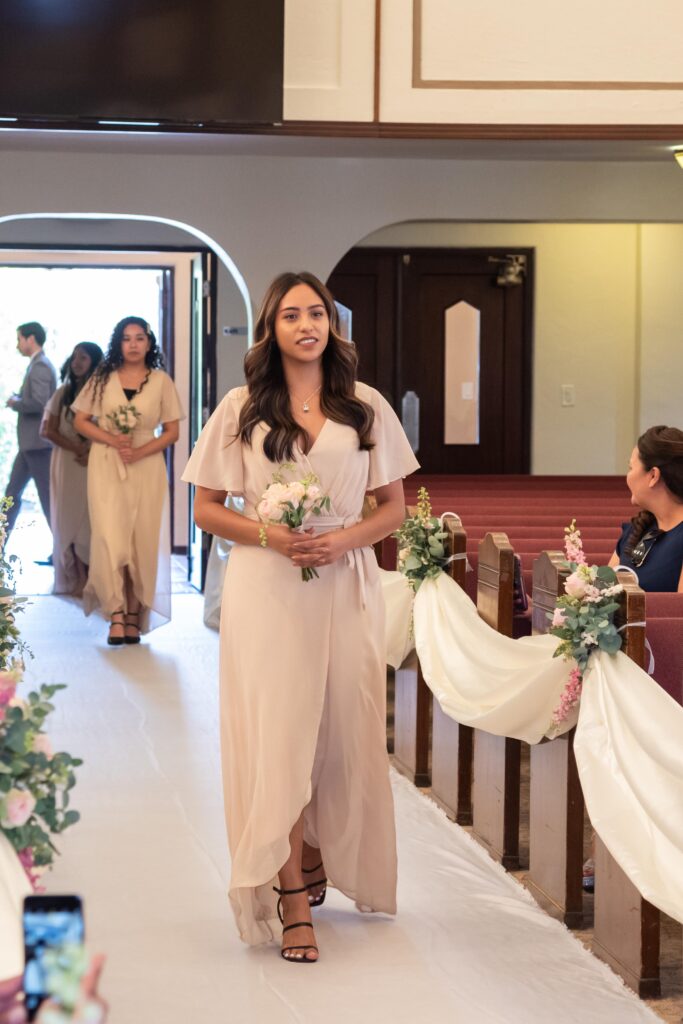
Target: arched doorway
(204, 311)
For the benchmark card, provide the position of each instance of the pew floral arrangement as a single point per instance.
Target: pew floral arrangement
(583, 619)
(292, 503)
(34, 781)
(421, 551)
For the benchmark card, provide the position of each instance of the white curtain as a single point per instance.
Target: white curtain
(629, 737)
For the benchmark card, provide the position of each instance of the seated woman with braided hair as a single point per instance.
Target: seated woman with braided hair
(652, 543)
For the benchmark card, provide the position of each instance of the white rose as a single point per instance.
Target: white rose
(295, 492)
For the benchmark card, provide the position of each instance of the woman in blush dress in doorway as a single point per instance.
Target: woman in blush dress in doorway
(303, 674)
(121, 409)
(69, 518)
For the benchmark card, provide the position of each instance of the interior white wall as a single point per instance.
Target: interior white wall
(272, 213)
(661, 323)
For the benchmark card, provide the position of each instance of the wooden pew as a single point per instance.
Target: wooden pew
(452, 743)
(556, 806)
(626, 928)
(496, 763)
(412, 717)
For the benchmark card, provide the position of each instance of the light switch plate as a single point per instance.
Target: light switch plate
(568, 394)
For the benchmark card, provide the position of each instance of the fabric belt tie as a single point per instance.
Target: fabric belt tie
(141, 436)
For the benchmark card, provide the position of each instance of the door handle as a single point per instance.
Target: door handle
(410, 418)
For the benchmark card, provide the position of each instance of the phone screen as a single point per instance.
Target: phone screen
(49, 922)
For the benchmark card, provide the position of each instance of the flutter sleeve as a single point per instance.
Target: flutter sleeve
(392, 457)
(171, 409)
(86, 401)
(216, 461)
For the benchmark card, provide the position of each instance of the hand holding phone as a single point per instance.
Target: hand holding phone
(50, 923)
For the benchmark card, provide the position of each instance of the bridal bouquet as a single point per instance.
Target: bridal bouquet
(583, 619)
(421, 551)
(124, 420)
(292, 504)
(34, 781)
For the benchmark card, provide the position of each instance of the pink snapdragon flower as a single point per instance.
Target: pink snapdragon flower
(573, 545)
(16, 808)
(559, 618)
(570, 696)
(27, 861)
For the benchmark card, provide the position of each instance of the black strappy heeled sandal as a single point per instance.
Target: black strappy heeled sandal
(303, 959)
(116, 641)
(132, 625)
(319, 900)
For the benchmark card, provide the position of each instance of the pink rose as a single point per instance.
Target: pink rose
(559, 617)
(8, 686)
(575, 585)
(41, 745)
(16, 808)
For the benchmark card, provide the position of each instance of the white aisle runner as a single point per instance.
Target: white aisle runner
(469, 946)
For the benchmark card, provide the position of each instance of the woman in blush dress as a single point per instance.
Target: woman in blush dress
(121, 409)
(69, 518)
(303, 673)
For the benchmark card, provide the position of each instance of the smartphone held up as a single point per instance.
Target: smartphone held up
(54, 933)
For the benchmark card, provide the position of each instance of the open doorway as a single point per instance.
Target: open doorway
(80, 296)
(210, 320)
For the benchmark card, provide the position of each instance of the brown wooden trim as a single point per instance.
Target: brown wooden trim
(416, 77)
(671, 133)
(548, 132)
(418, 82)
(378, 50)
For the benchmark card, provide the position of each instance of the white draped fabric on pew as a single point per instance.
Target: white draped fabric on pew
(14, 885)
(629, 736)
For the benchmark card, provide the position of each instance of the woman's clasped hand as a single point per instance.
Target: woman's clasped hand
(308, 549)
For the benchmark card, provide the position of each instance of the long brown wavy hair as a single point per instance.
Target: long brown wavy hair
(268, 400)
(662, 447)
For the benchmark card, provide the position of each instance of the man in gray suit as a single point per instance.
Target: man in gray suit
(33, 457)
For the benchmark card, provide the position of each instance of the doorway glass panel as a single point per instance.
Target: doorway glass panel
(462, 341)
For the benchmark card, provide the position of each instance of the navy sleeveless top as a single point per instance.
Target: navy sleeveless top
(661, 569)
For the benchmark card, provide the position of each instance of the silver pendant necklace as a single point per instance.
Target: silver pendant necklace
(305, 406)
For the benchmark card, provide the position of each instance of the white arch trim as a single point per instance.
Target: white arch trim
(205, 239)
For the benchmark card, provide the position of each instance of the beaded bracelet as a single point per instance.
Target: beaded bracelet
(262, 537)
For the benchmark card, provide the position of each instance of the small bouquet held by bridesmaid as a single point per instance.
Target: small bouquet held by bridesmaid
(124, 420)
(292, 504)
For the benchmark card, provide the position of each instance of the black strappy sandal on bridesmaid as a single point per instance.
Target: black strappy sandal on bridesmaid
(319, 900)
(116, 641)
(303, 959)
(132, 625)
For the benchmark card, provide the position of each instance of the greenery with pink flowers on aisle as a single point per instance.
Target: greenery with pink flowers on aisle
(35, 782)
(583, 619)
